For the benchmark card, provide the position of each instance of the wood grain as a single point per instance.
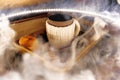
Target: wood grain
(28, 27)
(17, 3)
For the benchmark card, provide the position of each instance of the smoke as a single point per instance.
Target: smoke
(6, 34)
(101, 63)
(11, 76)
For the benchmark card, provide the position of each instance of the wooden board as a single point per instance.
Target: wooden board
(28, 27)
(17, 3)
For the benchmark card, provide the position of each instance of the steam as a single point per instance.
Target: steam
(40, 71)
(51, 75)
(6, 34)
(91, 67)
(11, 76)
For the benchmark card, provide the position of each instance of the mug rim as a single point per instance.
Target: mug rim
(60, 23)
(60, 17)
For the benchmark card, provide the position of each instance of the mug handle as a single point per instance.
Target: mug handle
(77, 27)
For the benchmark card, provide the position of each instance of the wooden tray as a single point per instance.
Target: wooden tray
(31, 25)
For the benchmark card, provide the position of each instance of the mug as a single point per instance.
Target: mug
(61, 29)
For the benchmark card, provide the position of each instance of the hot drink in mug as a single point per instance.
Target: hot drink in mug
(61, 29)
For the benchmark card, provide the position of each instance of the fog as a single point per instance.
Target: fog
(101, 63)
